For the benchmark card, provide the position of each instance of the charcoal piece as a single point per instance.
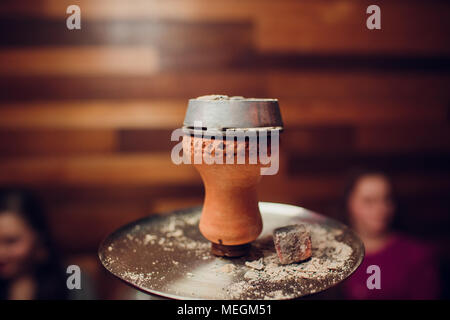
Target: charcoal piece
(292, 243)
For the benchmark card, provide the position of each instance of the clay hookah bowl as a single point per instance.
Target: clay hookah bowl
(230, 216)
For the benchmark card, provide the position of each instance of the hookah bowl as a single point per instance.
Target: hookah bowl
(217, 132)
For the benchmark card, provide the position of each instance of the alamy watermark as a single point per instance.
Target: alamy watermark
(223, 148)
(374, 20)
(73, 22)
(374, 280)
(74, 279)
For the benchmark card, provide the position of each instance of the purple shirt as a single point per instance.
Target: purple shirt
(409, 270)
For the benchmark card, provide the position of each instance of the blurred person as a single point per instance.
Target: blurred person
(408, 268)
(29, 266)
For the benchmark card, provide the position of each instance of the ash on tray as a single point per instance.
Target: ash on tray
(328, 257)
(256, 276)
(173, 236)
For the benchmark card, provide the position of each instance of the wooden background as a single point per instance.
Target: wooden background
(86, 115)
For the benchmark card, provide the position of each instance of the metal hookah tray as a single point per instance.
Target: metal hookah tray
(165, 255)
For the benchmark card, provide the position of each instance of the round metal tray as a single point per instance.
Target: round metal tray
(166, 255)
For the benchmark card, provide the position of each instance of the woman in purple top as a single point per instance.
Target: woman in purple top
(407, 268)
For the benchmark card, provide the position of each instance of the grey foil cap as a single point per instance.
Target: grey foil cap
(219, 113)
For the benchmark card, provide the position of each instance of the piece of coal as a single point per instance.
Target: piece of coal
(293, 243)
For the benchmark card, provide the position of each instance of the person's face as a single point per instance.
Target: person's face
(370, 205)
(17, 244)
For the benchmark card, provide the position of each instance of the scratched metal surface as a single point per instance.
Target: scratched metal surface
(182, 268)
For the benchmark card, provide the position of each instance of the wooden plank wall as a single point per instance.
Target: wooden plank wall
(86, 115)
